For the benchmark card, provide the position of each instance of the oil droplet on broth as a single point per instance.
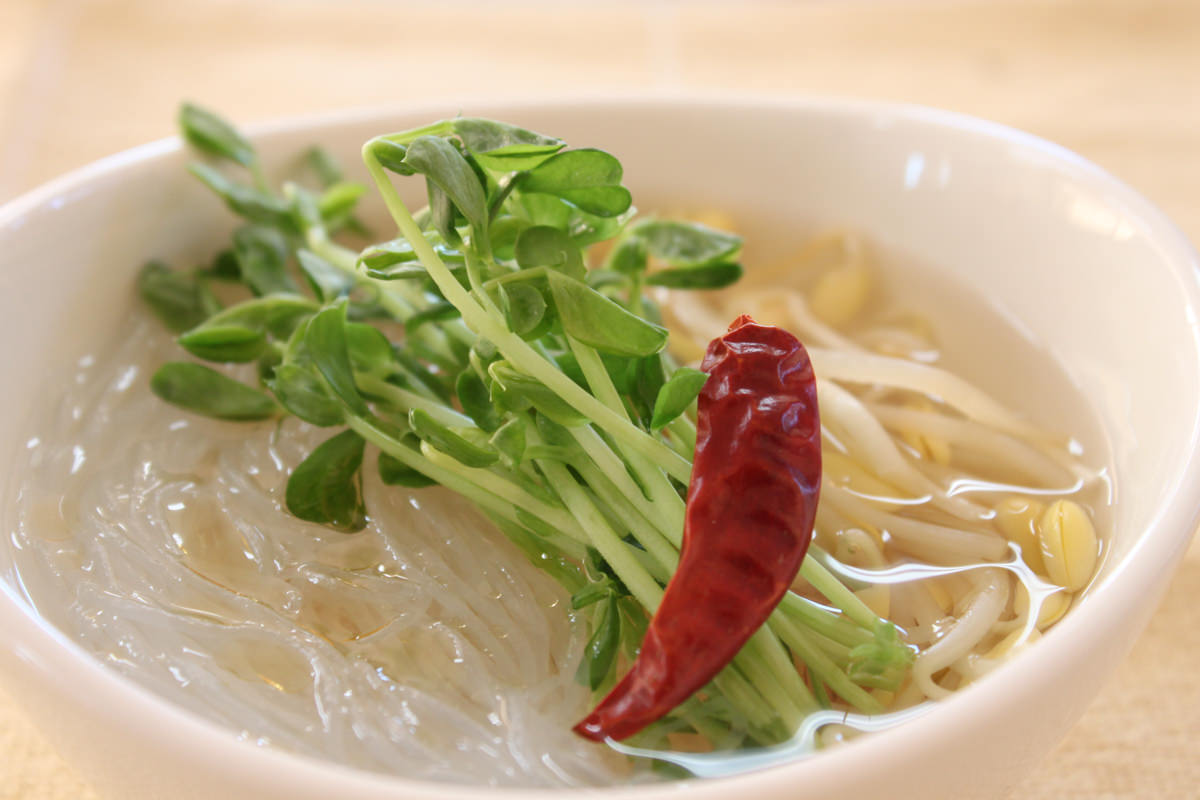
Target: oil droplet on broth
(211, 546)
(275, 665)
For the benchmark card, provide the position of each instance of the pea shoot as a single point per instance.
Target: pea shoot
(523, 372)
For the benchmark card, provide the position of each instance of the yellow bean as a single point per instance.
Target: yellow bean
(840, 294)
(1070, 547)
(1052, 610)
(1017, 518)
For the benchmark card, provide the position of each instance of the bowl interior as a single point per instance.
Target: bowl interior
(1077, 262)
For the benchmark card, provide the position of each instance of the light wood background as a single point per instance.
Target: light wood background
(1118, 81)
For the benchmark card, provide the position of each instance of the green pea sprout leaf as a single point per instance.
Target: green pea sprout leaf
(327, 486)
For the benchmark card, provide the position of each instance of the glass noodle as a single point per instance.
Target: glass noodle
(427, 646)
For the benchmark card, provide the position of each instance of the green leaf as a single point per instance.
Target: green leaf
(400, 272)
(509, 439)
(592, 592)
(262, 255)
(587, 229)
(253, 204)
(327, 281)
(277, 314)
(436, 312)
(305, 207)
(476, 401)
(395, 472)
(525, 310)
(679, 392)
(574, 169)
(545, 209)
(370, 351)
(437, 383)
(587, 178)
(503, 147)
(304, 394)
(441, 210)
(174, 297)
(622, 370)
(224, 266)
(686, 242)
(601, 201)
(442, 163)
(396, 260)
(322, 162)
(598, 322)
(601, 650)
(198, 388)
(629, 256)
(555, 434)
(597, 568)
(503, 233)
(544, 246)
(225, 343)
(390, 156)
(603, 279)
(446, 440)
(327, 486)
(271, 358)
(514, 390)
(337, 202)
(210, 134)
(647, 380)
(714, 275)
(325, 341)
(569, 364)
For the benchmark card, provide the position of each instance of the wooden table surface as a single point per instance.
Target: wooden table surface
(1114, 81)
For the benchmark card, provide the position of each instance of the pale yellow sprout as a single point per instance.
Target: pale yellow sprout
(878, 598)
(1013, 642)
(940, 595)
(930, 447)
(841, 294)
(844, 471)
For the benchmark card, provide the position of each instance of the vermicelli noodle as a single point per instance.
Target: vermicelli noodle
(427, 645)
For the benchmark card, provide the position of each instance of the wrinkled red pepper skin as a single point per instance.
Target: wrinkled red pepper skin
(751, 505)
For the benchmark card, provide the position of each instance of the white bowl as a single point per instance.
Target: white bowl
(1081, 262)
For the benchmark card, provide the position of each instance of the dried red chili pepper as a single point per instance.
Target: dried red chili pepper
(751, 504)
